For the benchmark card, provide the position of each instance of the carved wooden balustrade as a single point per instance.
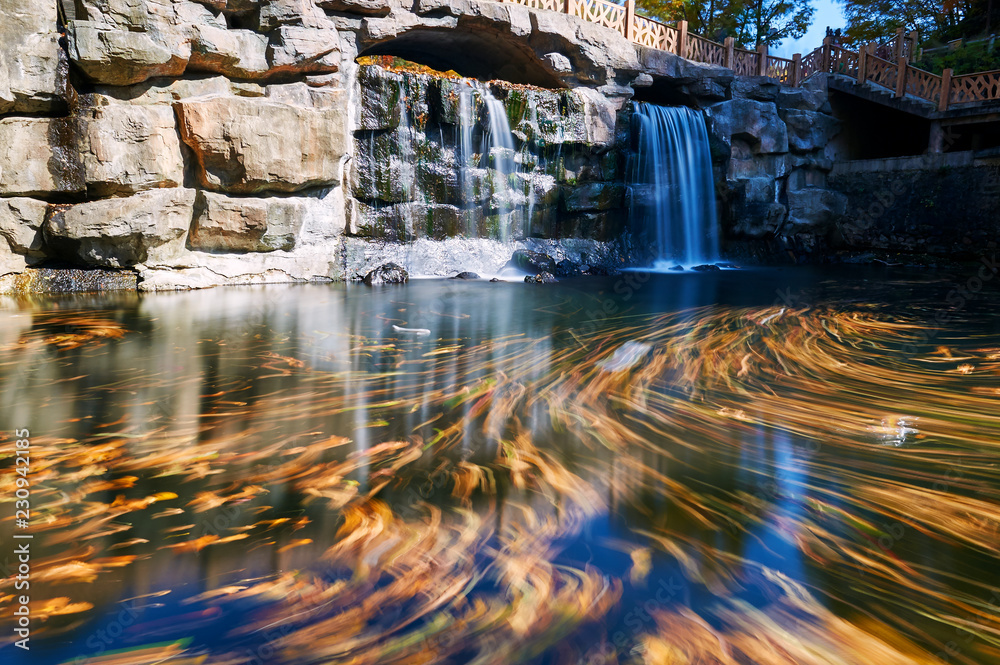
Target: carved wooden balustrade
(781, 69)
(886, 65)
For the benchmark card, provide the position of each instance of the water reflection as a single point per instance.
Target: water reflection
(669, 469)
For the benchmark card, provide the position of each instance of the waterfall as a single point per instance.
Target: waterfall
(466, 153)
(672, 190)
(500, 147)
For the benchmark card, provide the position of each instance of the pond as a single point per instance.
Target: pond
(782, 466)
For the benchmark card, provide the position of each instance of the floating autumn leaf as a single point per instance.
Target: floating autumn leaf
(58, 607)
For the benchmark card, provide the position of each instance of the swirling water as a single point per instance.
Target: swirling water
(772, 467)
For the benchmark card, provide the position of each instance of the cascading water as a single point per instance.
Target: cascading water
(466, 123)
(500, 146)
(672, 190)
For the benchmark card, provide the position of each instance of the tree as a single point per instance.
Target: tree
(714, 19)
(877, 20)
(771, 21)
(750, 22)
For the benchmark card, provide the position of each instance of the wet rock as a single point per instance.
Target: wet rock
(593, 196)
(122, 232)
(30, 58)
(603, 271)
(244, 224)
(495, 279)
(390, 273)
(246, 145)
(381, 92)
(541, 278)
(127, 148)
(39, 156)
(708, 267)
(677, 268)
(533, 262)
(466, 275)
(567, 268)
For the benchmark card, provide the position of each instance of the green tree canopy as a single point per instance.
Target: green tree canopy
(937, 20)
(750, 21)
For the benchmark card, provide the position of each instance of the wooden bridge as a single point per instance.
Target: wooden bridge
(887, 65)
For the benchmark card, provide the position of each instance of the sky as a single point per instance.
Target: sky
(828, 13)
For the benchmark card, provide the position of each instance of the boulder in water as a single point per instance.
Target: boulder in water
(567, 268)
(541, 278)
(533, 262)
(678, 268)
(466, 275)
(390, 273)
(708, 267)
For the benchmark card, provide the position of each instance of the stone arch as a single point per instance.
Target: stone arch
(477, 54)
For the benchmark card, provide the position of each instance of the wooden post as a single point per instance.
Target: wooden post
(730, 45)
(568, 6)
(796, 70)
(630, 20)
(761, 59)
(826, 54)
(900, 76)
(862, 63)
(912, 51)
(945, 90)
(682, 38)
(899, 43)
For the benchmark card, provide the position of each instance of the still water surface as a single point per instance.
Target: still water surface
(773, 467)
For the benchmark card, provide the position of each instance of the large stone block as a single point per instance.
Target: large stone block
(304, 49)
(755, 122)
(149, 226)
(21, 222)
(235, 53)
(128, 148)
(809, 130)
(228, 224)
(815, 208)
(31, 62)
(600, 116)
(39, 156)
(367, 7)
(593, 196)
(121, 57)
(247, 145)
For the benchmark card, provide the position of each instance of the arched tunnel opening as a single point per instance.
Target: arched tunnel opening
(470, 54)
(664, 92)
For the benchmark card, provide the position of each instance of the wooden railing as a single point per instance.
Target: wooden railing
(885, 64)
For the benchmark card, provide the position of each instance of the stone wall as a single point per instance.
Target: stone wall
(919, 209)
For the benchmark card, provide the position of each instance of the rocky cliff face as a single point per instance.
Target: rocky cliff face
(203, 142)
